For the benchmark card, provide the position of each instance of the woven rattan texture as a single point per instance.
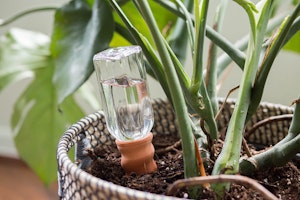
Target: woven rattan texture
(75, 183)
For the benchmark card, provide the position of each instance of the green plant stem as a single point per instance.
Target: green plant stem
(250, 8)
(197, 82)
(178, 39)
(24, 13)
(145, 45)
(185, 129)
(211, 74)
(200, 24)
(182, 75)
(207, 113)
(278, 155)
(201, 105)
(235, 54)
(224, 60)
(228, 160)
(275, 46)
(294, 29)
(203, 109)
(189, 25)
(193, 101)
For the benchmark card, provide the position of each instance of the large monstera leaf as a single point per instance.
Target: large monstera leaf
(164, 19)
(37, 120)
(17, 60)
(80, 31)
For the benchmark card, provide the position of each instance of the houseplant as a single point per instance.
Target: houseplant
(200, 100)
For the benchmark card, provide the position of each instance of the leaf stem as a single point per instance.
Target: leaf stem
(200, 25)
(146, 46)
(281, 153)
(235, 54)
(228, 160)
(275, 45)
(185, 130)
(211, 74)
(25, 12)
(182, 31)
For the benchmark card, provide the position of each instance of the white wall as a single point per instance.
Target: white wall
(279, 89)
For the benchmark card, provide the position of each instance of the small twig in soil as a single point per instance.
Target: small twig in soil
(173, 147)
(243, 180)
(266, 121)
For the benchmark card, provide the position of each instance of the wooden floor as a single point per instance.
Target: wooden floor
(18, 182)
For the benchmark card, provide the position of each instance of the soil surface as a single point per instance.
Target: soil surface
(283, 182)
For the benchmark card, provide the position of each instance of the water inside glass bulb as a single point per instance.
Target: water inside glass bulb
(128, 108)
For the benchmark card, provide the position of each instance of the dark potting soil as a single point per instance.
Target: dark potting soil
(283, 182)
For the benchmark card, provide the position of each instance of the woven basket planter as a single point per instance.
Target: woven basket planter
(75, 183)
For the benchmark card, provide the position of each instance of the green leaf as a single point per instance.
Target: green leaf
(295, 2)
(163, 17)
(250, 9)
(21, 52)
(294, 43)
(79, 32)
(38, 124)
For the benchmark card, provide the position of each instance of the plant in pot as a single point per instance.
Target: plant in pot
(190, 96)
(194, 98)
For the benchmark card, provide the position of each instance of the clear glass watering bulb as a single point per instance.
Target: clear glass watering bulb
(124, 92)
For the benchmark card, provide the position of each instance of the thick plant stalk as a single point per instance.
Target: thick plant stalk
(200, 105)
(211, 74)
(228, 160)
(281, 153)
(185, 129)
(200, 25)
(277, 156)
(197, 83)
(193, 100)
